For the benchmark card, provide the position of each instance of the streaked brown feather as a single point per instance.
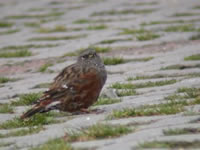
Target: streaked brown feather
(77, 86)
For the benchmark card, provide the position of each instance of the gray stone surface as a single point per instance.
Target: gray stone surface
(169, 49)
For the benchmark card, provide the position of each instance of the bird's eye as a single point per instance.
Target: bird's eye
(84, 57)
(88, 56)
(91, 55)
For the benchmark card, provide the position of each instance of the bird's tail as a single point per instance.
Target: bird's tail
(32, 111)
(43, 106)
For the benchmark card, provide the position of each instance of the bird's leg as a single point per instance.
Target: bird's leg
(85, 110)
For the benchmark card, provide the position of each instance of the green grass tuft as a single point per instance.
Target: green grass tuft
(6, 108)
(5, 144)
(99, 131)
(87, 21)
(113, 61)
(4, 24)
(56, 38)
(142, 59)
(22, 132)
(36, 16)
(121, 12)
(195, 37)
(134, 31)
(55, 3)
(196, 7)
(82, 21)
(156, 76)
(6, 79)
(193, 74)
(193, 57)
(184, 93)
(18, 53)
(147, 36)
(185, 14)
(141, 34)
(36, 120)
(118, 85)
(126, 92)
(42, 85)
(10, 31)
(168, 108)
(174, 104)
(189, 92)
(101, 49)
(146, 3)
(55, 144)
(58, 28)
(36, 9)
(131, 78)
(76, 53)
(26, 99)
(44, 67)
(164, 22)
(178, 131)
(106, 101)
(171, 144)
(97, 27)
(180, 21)
(115, 40)
(32, 24)
(28, 46)
(180, 67)
(181, 28)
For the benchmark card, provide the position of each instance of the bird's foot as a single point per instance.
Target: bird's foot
(86, 111)
(92, 111)
(81, 111)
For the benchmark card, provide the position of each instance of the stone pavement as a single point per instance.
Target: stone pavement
(149, 35)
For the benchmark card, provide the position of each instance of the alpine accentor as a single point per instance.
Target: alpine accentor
(76, 88)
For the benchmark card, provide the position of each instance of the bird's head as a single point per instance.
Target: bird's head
(90, 56)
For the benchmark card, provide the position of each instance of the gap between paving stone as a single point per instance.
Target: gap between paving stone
(146, 133)
(150, 95)
(54, 131)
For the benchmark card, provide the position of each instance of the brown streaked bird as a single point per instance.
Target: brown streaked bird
(76, 88)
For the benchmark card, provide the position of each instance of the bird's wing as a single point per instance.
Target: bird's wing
(73, 79)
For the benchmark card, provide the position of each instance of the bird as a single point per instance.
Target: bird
(75, 88)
